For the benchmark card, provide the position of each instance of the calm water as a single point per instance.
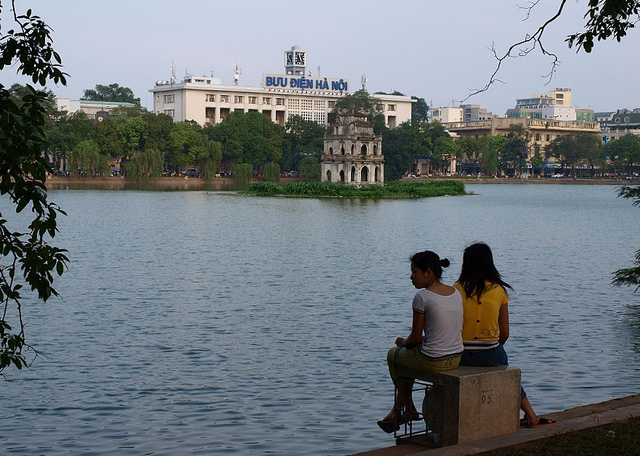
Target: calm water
(211, 323)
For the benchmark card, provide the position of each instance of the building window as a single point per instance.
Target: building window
(279, 101)
(266, 101)
(331, 104)
(238, 99)
(169, 98)
(224, 98)
(170, 112)
(253, 100)
(392, 107)
(211, 98)
(548, 138)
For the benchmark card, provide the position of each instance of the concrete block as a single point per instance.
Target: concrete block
(471, 403)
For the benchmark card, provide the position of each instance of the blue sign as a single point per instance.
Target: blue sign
(295, 83)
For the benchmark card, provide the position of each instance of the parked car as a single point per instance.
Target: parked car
(191, 172)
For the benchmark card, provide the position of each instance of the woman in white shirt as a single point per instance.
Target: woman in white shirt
(435, 341)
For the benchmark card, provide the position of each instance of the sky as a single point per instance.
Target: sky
(439, 50)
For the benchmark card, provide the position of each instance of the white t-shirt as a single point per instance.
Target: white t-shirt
(443, 316)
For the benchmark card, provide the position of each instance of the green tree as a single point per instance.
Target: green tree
(399, 151)
(111, 92)
(248, 138)
(26, 255)
(271, 172)
(64, 132)
(303, 138)
(629, 276)
(85, 158)
(575, 149)
(242, 174)
(361, 101)
(490, 147)
(146, 164)
(444, 150)
(625, 152)
(419, 110)
(469, 154)
(310, 168)
(185, 139)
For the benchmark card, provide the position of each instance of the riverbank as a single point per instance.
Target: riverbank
(526, 441)
(226, 184)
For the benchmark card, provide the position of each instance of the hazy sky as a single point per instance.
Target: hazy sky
(438, 50)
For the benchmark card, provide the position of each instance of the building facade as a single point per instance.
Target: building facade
(207, 101)
(352, 152)
(95, 110)
(620, 123)
(541, 131)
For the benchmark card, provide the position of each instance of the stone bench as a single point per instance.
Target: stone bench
(470, 403)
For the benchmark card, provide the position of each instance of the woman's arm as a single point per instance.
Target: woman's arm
(503, 323)
(415, 337)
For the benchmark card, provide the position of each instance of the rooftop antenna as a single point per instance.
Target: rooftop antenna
(173, 73)
(363, 81)
(318, 70)
(236, 74)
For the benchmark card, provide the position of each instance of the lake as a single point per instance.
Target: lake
(200, 322)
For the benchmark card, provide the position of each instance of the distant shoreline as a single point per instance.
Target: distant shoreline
(226, 184)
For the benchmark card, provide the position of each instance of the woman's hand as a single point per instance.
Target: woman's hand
(400, 342)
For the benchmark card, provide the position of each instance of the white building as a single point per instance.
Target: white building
(447, 115)
(207, 101)
(95, 110)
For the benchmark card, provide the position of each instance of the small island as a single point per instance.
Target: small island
(314, 189)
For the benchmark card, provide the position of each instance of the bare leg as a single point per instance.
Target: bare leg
(532, 418)
(402, 399)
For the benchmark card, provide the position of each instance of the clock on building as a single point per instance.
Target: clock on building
(288, 58)
(301, 58)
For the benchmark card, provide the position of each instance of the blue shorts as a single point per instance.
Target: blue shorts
(486, 358)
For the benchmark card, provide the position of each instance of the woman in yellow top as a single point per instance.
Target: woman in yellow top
(485, 328)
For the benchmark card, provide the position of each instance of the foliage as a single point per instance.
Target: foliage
(419, 111)
(361, 101)
(624, 151)
(85, 159)
(389, 190)
(607, 19)
(146, 164)
(629, 276)
(574, 149)
(400, 147)
(304, 138)
(444, 150)
(309, 168)
(25, 253)
(271, 172)
(242, 174)
(248, 138)
(111, 92)
(490, 147)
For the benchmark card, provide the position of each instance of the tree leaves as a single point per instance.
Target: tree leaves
(23, 173)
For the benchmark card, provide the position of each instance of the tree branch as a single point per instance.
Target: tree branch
(523, 47)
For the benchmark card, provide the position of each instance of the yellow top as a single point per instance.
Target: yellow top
(480, 326)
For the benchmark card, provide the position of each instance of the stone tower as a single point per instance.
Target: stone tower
(352, 152)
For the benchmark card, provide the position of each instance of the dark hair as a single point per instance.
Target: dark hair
(430, 260)
(478, 268)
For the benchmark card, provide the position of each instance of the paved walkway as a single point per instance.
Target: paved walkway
(569, 420)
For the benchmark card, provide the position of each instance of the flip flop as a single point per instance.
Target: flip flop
(388, 426)
(543, 422)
